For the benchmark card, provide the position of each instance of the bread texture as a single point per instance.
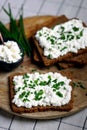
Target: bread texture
(16, 109)
(76, 61)
(80, 59)
(67, 57)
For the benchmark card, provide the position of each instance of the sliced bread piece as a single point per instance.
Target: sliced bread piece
(48, 61)
(24, 97)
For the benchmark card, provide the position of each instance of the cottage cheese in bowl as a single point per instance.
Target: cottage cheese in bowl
(10, 52)
(11, 55)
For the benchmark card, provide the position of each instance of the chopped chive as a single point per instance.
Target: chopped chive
(78, 84)
(14, 83)
(62, 28)
(27, 94)
(38, 95)
(70, 37)
(25, 82)
(55, 81)
(19, 89)
(32, 86)
(48, 38)
(25, 100)
(36, 81)
(57, 85)
(81, 85)
(75, 29)
(54, 90)
(43, 83)
(40, 34)
(49, 56)
(52, 41)
(59, 94)
(62, 37)
(25, 76)
(31, 81)
(22, 94)
(33, 70)
(75, 84)
(65, 47)
(81, 33)
(59, 43)
(77, 37)
(64, 88)
(49, 81)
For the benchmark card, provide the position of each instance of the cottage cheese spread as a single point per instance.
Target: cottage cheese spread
(10, 52)
(41, 90)
(63, 38)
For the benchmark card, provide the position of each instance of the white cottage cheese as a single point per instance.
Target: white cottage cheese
(41, 90)
(67, 37)
(10, 52)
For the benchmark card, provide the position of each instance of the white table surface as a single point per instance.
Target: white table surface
(71, 8)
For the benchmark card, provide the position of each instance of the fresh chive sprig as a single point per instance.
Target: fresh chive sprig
(16, 30)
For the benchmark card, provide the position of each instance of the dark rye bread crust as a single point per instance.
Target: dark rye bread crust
(16, 109)
(77, 61)
(48, 61)
(80, 59)
(60, 65)
(45, 59)
(37, 59)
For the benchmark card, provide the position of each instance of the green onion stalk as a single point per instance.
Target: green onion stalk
(16, 31)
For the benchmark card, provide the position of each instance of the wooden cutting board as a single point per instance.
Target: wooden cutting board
(31, 25)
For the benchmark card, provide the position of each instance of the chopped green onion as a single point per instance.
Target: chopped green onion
(65, 47)
(22, 94)
(59, 94)
(16, 31)
(57, 85)
(25, 76)
(38, 95)
(75, 29)
(25, 100)
(62, 28)
(49, 56)
(81, 85)
(70, 37)
(62, 37)
(78, 84)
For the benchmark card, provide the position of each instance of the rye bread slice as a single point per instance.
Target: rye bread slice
(60, 65)
(58, 20)
(16, 109)
(47, 61)
(80, 59)
(77, 61)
